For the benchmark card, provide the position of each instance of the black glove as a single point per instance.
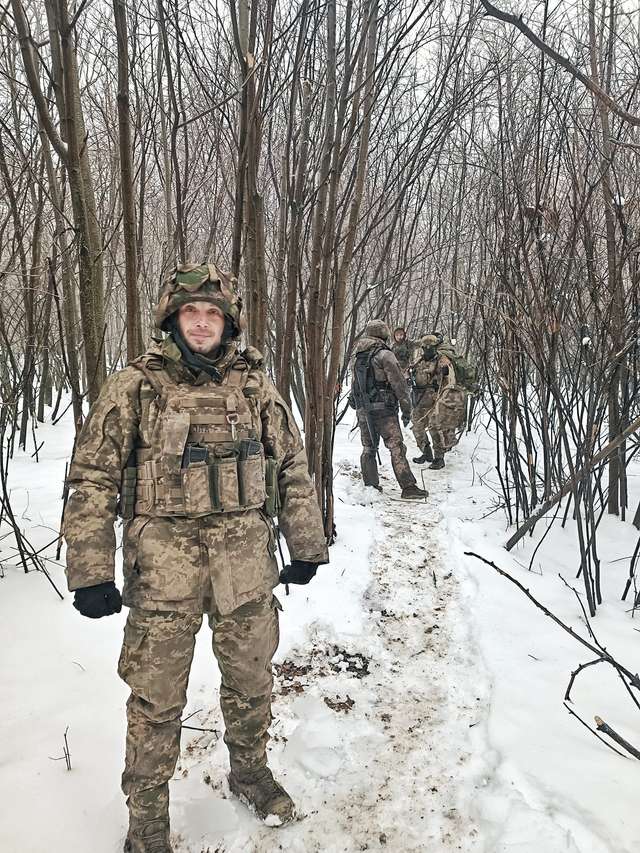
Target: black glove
(103, 599)
(300, 571)
(406, 420)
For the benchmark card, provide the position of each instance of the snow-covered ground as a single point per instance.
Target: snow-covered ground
(418, 699)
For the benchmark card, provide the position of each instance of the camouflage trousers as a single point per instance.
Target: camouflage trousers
(443, 416)
(155, 662)
(386, 427)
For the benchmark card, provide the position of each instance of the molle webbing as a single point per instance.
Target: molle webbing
(203, 454)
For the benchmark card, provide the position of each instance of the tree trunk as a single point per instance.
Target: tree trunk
(127, 189)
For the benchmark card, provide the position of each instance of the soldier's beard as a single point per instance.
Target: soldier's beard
(203, 348)
(196, 361)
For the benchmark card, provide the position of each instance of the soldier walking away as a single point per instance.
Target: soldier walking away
(402, 348)
(441, 381)
(192, 445)
(377, 390)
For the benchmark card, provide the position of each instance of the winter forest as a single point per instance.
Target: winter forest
(462, 675)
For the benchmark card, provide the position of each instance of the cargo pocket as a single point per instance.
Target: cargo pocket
(156, 658)
(247, 540)
(131, 542)
(132, 668)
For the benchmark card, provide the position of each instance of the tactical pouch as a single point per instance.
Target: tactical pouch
(176, 431)
(195, 483)
(226, 495)
(389, 399)
(272, 502)
(128, 492)
(251, 479)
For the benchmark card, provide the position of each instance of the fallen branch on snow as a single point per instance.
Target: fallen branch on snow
(604, 727)
(628, 678)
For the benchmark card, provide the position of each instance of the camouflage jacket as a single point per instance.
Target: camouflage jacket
(437, 373)
(173, 563)
(387, 371)
(403, 351)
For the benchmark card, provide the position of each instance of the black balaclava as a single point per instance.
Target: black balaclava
(195, 361)
(429, 353)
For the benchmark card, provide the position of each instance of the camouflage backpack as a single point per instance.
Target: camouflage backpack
(465, 372)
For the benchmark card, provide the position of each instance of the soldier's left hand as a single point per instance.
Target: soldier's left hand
(406, 419)
(102, 599)
(300, 571)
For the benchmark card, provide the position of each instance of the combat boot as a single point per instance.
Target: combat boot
(426, 456)
(437, 463)
(151, 837)
(261, 793)
(413, 493)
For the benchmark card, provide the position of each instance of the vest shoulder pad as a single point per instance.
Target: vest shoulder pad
(253, 357)
(150, 360)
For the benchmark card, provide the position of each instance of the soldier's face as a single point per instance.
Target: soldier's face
(398, 335)
(201, 325)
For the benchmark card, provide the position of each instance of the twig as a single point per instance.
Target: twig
(606, 728)
(584, 612)
(66, 754)
(191, 715)
(576, 672)
(587, 726)
(198, 729)
(634, 679)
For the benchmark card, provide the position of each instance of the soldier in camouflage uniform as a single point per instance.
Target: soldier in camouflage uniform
(402, 348)
(193, 446)
(440, 403)
(377, 412)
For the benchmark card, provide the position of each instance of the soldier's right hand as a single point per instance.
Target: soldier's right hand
(103, 599)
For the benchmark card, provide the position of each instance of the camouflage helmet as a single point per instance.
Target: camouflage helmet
(377, 329)
(430, 341)
(200, 283)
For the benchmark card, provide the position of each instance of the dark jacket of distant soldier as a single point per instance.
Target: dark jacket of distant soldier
(440, 402)
(195, 448)
(377, 411)
(402, 348)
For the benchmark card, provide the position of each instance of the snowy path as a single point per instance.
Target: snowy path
(372, 739)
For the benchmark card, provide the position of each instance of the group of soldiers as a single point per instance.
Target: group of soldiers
(192, 446)
(427, 380)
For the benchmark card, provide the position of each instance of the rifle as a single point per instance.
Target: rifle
(414, 387)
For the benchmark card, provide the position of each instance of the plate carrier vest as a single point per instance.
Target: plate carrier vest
(198, 450)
